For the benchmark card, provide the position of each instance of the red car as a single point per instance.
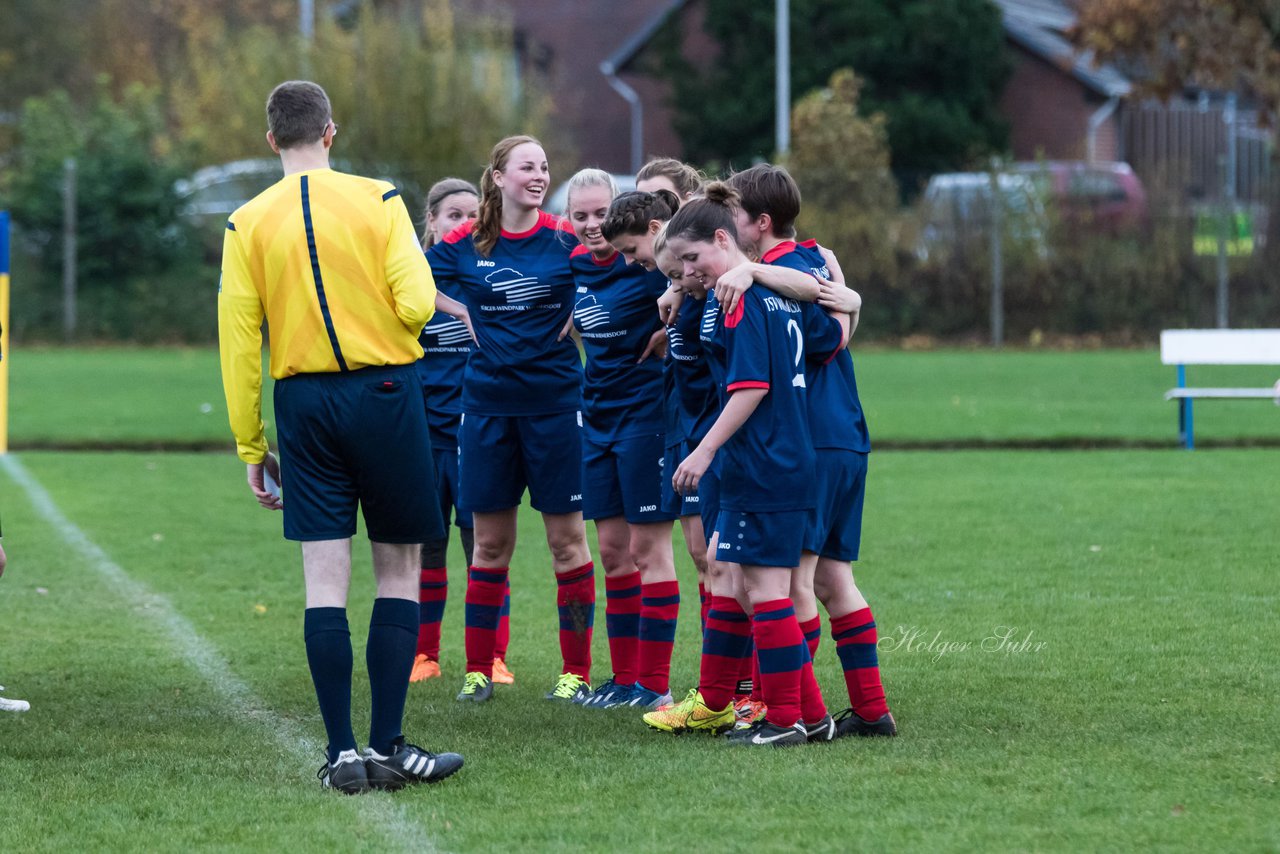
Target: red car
(1106, 196)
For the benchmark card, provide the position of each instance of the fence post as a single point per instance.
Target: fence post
(997, 259)
(69, 249)
(1228, 207)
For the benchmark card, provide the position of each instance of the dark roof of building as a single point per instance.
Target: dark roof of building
(618, 60)
(1040, 26)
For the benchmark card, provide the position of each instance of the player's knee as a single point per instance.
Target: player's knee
(493, 549)
(613, 556)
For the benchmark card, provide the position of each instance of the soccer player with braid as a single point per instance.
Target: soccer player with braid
(667, 184)
(765, 218)
(623, 440)
(521, 404)
(446, 344)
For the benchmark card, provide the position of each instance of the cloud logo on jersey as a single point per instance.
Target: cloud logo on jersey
(589, 313)
(517, 287)
(709, 318)
(450, 332)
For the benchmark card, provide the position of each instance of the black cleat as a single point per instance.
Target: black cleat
(823, 730)
(848, 723)
(476, 688)
(408, 763)
(762, 733)
(346, 774)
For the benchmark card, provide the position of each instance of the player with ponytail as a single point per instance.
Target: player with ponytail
(770, 204)
(756, 352)
(521, 401)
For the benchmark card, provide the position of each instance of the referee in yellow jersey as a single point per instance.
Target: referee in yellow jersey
(331, 261)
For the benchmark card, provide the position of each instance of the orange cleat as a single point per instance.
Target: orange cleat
(748, 711)
(501, 674)
(423, 669)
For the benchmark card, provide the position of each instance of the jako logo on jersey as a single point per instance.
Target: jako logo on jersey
(648, 508)
(516, 286)
(480, 262)
(577, 497)
(589, 313)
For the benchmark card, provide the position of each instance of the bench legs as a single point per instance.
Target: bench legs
(1186, 428)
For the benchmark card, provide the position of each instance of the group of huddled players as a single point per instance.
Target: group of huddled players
(717, 390)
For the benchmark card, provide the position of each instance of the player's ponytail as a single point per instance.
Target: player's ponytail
(721, 193)
(632, 212)
(488, 225)
(700, 219)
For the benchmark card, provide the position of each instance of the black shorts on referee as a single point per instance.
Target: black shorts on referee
(356, 438)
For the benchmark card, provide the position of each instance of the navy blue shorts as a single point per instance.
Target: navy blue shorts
(356, 438)
(672, 501)
(624, 478)
(709, 499)
(834, 528)
(446, 459)
(761, 539)
(502, 455)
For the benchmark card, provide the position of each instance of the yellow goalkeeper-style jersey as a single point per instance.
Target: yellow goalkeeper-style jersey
(333, 264)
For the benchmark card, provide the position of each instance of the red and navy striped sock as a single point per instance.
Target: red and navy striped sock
(782, 652)
(622, 610)
(503, 638)
(724, 644)
(576, 601)
(659, 609)
(433, 591)
(704, 603)
(485, 588)
(813, 707)
(855, 637)
(812, 635)
(757, 692)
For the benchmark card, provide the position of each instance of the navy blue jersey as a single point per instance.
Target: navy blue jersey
(836, 419)
(768, 463)
(616, 315)
(696, 395)
(446, 344)
(519, 298)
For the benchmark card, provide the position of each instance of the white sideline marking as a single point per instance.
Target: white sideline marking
(387, 815)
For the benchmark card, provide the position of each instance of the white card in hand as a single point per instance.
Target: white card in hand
(270, 484)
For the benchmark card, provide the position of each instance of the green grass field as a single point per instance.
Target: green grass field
(116, 396)
(152, 615)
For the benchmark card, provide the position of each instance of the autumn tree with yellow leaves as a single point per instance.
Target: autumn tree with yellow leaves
(1223, 44)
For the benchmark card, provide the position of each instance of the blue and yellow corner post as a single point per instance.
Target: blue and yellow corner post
(4, 332)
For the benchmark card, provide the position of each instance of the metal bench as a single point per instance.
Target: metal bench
(1182, 347)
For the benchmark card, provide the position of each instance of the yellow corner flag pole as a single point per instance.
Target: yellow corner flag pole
(4, 332)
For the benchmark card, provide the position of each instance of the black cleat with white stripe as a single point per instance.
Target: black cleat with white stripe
(408, 763)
